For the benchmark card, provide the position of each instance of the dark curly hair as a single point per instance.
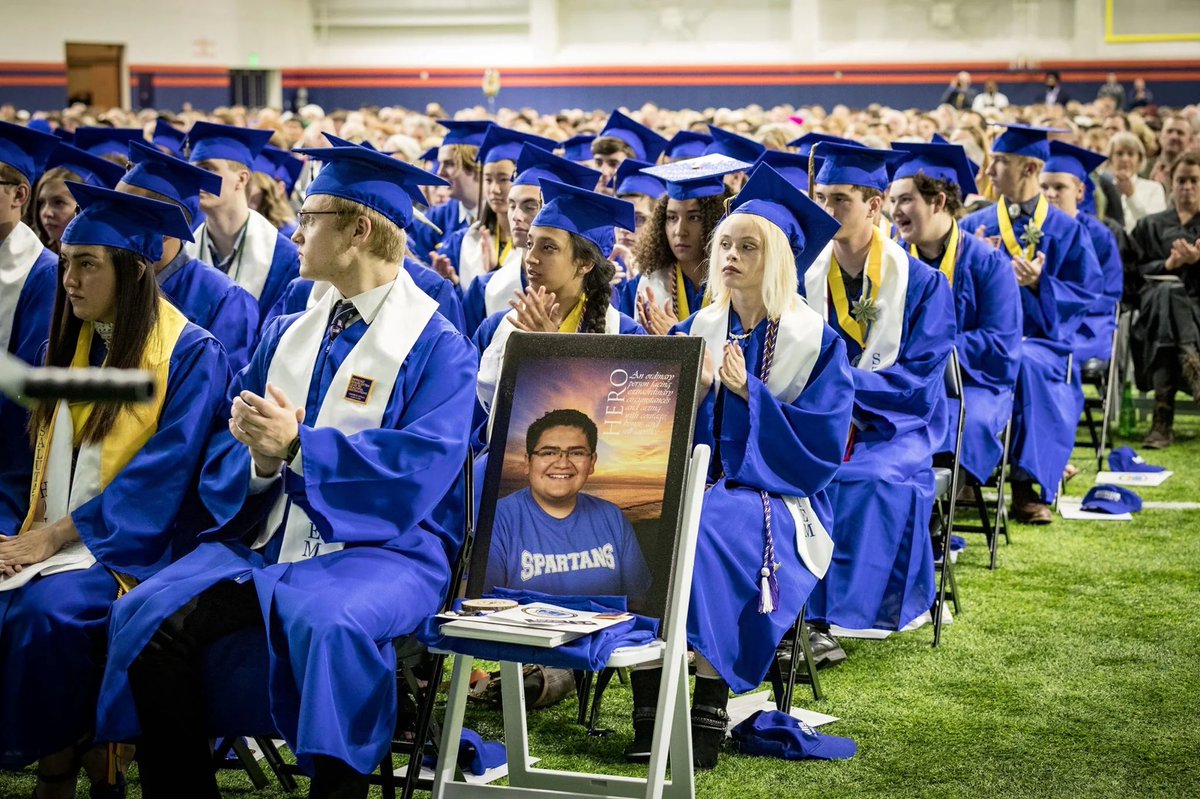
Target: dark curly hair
(929, 188)
(596, 283)
(653, 252)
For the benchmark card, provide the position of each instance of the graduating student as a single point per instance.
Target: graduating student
(235, 239)
(168, 138)
(643, 191)
(206, 296)
(106, 142)
(53, 206)
(275, 174)
(775, 401)
(672, 252)
(567, 277)
(1166, 337)
(1063, 180)
(554, 538)
(1059, 279)
(108, 483)
(28, 275)
(731, 145)
(458, 163)
(624, 138)
(348, 428)
(487, 244)
(490, 293)
(926, 197)
(686, 144)
(896, 317)
(578, 149)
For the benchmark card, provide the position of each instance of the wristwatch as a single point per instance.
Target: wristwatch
(293, 449)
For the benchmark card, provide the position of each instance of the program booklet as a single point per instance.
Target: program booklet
(535, 624)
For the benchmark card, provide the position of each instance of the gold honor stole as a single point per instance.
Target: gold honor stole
(949, 258)
(837, 289)
(681, 298)
(574, 318)
(1009, 236)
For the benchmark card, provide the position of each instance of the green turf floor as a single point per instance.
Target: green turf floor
(1073, 671)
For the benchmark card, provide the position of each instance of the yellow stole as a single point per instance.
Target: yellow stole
(133, 426)
(837, 289)
(1009, 236)
(681, 298)
(574, 318)
(501, 252)
(949, 258)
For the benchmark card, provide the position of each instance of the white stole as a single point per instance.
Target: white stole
(660, 281)
(18, 253)
(493, 357)
(470, 256)
(501, 285)
(882, 346)
(370, 369)
(797, 349)
(252, 267)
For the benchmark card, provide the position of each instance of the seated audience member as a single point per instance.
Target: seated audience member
(896, 317)
(554, 538)
(53, 206)
(926, 196)
(348, 428)
(236, 240)
(774, 405)
(1174, 139)
(458, 164)
(1139, 196)
(1059, 279)
(623, 138)
(205, 295)
(1166, 338)
(107, 486)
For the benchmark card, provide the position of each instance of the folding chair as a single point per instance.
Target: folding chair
(993, 515)
(1101, 375)
(785, 673)
(672, 728)
(945, 500)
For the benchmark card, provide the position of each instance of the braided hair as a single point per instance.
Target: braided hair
(596, 283)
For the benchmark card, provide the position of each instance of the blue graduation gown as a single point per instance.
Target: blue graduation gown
(422, 239)
(285, 267)
(987, 307)
(1049, 395)
(330, 620)
(475, 301)
(882, 573)
(1094, 339)
(30, 329)
(295, 297)
(209, 298)
(52, 628)
(785, 449)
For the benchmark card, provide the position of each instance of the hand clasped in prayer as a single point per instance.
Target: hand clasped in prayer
(267, 426)
(733, 371)
(537, 311)
(1029, 272)
(1182, 254)
(656, 321)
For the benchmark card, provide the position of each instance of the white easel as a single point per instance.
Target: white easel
(672, 726)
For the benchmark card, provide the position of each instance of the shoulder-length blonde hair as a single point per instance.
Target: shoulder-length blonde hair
(779, 286)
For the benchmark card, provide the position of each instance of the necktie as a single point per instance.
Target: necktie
(344, 315)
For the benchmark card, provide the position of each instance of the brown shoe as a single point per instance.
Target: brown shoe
(1161, 433)
(1189, 362)
(1027, 507)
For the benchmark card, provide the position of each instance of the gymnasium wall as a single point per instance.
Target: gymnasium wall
(568, 53)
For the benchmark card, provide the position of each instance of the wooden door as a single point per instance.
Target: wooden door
(95, 74)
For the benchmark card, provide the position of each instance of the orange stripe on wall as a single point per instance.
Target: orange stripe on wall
(18, 80)
(222, 83)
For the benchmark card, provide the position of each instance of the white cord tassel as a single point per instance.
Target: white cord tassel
(765, 605)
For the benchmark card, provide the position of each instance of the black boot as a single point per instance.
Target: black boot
(1189, 365)
(644, 685)
(1162, 429)
(333, 779)
(709, 720)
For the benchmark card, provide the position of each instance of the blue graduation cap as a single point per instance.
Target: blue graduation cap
(110, 218)
(1126, 459)
(577, 148)
(647, 145)
(65, 135)
(1073, 160)
(26, 150)
(503, 144)
(429, 156)
(287, 166)
(732, 145)
(154, 170)
(772, 733)
(91, 169)
(1111, 499)
(946, 162)
(793, 166)
(856, 166)
(1024, 140)
(469, 132)
(104, 141)
(937, 138)
(535, 165)
(380, 182)
(769, 195)
(687, 144)
(208, 141)
(805, 143)
(697, 177)
(631, 180)
(583, 212)
(168, 137)
(40, 125)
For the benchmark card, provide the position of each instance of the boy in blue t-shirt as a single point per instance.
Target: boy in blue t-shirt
(551, 537)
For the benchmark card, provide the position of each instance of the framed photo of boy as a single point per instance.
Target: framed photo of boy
(589, 444)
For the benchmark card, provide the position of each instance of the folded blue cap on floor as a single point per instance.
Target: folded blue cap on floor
(771, 733)
(1111, 499)
(1125, 459)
